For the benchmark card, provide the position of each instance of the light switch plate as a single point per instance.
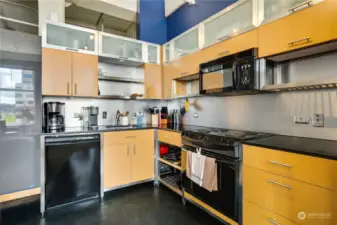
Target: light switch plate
(104, 115)
(318, 120)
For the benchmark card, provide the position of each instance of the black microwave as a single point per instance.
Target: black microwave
(236, 73)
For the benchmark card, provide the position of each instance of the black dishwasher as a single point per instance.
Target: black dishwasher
(72, 169)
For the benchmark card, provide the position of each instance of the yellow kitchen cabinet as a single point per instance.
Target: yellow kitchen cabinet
(169, 137)
(152, 81)
(309, 169)
(85, 74)
(305, 28)
(256, 215)
(66, 73)
(128, 157)
(333, 8)
(142, 156)
(116, 165)
(19, 195)
(236, 44)
(169, 73)
(56, 72)
(288, 197)
(189, 64)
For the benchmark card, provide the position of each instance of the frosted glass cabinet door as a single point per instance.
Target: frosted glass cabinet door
(119, 47)
(167, 52)
(186, 44)
(274, 9)
(152, 54)
(68, 37)
(234, 20)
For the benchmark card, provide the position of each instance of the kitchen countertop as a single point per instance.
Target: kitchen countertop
(305, 146)
(170, 127)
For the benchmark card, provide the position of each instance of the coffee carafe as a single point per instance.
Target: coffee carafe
(53, 116)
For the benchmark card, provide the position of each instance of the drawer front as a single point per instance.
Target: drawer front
(313, 170)
(116, 137)
(172, 138)
(256, 215)
(302, 29)
(288, 197)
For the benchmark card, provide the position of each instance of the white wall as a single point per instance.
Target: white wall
(51, 10)
(172, 5)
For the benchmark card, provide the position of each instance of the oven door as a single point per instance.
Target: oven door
(217, 78)
(226, 199)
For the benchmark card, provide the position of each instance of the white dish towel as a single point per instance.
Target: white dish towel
(198, 165)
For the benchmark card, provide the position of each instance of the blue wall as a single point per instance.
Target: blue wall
(151, 22)
(188, 16)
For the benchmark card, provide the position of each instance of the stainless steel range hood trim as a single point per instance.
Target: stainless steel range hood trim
(310, 85)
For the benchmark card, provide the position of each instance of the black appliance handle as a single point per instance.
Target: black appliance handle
(72, 139)
(198, 144)
(235, 75)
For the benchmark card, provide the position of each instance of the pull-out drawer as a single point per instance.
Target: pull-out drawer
(115, 137)
(172, 138)
(256, 215)
(288, 197)
(313, 170)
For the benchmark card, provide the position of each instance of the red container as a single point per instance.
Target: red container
(163, 149)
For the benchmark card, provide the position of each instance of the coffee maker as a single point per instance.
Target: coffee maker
(53, 116)
(90, 116)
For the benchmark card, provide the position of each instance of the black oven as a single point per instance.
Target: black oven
(233, 73)
(227, 199)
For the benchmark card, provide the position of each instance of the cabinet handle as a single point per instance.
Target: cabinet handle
(280, 164)
(300, 5)
(72, 49)
(68, 85)
(128, 150)
(153, 62)
(223, 53)
(303, 39)
(75, 88)
(165, 136)
(183, 73)
(183, 54)
(277, 183)
(223, 38)
(122, 57)
(131, 137)
(274, 222)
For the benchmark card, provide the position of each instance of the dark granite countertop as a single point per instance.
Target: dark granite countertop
(306, 146)
(170, 127)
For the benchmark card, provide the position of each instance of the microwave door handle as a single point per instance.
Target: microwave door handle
(234, 73)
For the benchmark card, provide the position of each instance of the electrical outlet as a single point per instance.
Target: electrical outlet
(301, 119)
(318, 120)
(196, 115)
(104, 115)
(77, 115)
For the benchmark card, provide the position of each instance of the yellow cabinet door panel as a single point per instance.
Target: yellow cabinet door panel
(333, 8)
(288, 197)
(142, 157)
(85, 74)
(152, 81)
(313, 170)
(256, 215)
(236, 44)
(304, 28)
(116, 165)
(189, 65)
(56, 72)
(169, 73)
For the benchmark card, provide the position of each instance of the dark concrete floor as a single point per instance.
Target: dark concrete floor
(139, 205)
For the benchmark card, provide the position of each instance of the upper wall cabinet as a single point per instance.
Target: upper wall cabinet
(68, 37)
(167, 52)
(186, 43)
(153, 53)
(121, 50)
(272, 10)
(234, 20)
